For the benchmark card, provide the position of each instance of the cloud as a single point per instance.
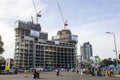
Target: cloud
(17, 9)
(94, 32)
(89, 20)
(8, 38)
(11, 11)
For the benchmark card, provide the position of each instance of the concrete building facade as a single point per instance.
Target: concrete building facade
(86, 51)
(33, 49)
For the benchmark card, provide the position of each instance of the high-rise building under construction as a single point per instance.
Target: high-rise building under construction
(33, 49)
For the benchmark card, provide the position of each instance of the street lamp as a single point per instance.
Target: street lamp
(115, 47)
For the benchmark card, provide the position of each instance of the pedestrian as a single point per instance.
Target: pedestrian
(106, 72)
(36, 74)
(25, 73)
(109, 73)
(67, 69)
(103, 72)
(77, 71)
(81, 71)
(57, 72)
(96, 72)
(84, 71)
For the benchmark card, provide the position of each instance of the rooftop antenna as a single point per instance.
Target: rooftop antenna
(64, 22)
(37, 13)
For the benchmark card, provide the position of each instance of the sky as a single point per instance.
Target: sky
(89, 19)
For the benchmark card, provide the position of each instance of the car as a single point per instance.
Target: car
(12, 71)
(62, 69)
(5, 72)
(39, 69)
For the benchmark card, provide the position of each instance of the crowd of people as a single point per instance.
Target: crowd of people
(107, 72)
(35, 74)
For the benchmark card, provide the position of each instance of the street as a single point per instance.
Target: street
(52, 76)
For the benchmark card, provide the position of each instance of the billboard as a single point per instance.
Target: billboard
(34, 33)
(74, 37)
(7, 67)
(57, 42)
(56, 37)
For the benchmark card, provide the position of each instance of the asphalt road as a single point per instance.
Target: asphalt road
(52, 76)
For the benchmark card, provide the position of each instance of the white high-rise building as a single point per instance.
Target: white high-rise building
(86, 51)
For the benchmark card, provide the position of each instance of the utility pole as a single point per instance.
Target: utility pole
(115, 48)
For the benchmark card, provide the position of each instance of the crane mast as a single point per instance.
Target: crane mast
(37, 14)
(64, 22)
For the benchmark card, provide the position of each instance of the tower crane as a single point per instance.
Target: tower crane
(64, 22)
(38, 14)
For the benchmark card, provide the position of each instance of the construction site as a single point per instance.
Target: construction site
(34, 50)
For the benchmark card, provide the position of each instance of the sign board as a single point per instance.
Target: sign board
(7, 67)
(56, 37)
(74, 37)
(34, 33)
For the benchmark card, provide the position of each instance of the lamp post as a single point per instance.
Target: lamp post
(115, 48)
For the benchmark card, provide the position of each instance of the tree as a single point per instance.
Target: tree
(107, 62)
(114, 62)
(1, 45)
(2, 61)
